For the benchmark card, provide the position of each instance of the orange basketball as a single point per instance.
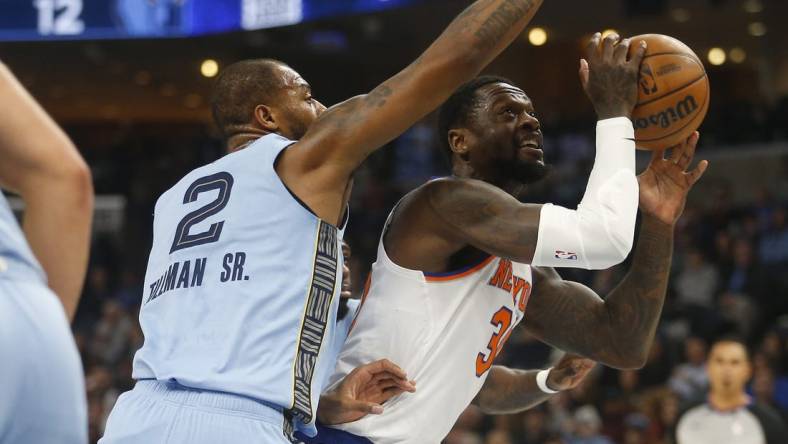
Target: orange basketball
(674, 93)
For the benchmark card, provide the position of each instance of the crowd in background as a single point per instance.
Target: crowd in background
(729, 275)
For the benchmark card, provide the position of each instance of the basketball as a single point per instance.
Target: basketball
(673, 93)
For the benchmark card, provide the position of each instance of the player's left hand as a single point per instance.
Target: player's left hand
(569, 372)
(665, 183)
(363, 392)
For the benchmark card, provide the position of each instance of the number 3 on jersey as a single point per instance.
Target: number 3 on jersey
(219, 181)
(502, 319)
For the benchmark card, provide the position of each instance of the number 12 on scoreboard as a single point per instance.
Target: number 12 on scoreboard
(59, 17)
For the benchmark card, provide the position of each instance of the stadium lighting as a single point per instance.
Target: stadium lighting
(753, 6)
(717, 56)
(737, 55)
(537, 36)
(681, 15)
(209, 68)
(757, 29)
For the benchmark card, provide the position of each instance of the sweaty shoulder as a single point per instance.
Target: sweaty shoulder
(423, 232)
(416, 237)
(441, 201)
(450, 195)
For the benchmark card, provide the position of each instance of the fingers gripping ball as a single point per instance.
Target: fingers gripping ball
(673, 93)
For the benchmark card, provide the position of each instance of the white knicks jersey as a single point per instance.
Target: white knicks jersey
(443, 330)
(242, 287)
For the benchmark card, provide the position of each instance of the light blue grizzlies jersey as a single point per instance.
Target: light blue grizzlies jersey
(16, 259)
(242, 287)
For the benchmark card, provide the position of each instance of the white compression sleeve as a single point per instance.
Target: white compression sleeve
(600, 233)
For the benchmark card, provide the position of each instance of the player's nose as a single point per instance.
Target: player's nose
(529, 122)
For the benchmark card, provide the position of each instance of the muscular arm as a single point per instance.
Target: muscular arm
(510, 391)
(619, 330)
(39, 162)
(446, 215)
(347, 133)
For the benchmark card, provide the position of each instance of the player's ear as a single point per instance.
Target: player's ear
(459, 141)
(264, 117)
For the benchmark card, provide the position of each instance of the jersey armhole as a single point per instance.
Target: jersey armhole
(345, 213)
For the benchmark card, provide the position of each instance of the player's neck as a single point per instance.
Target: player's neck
(240, 141)
(513, 187)
(723, 400)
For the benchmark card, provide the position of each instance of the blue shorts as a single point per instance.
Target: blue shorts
(156, 412)
(327, 435)
(42, 387)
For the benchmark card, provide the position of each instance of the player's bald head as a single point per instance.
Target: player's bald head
(244, 85)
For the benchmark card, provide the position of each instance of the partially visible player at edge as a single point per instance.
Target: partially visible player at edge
(241, 292)
(42, 394)
(462, 261)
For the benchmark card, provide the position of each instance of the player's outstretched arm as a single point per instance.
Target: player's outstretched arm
(41, 164)
(618, 331)
(508, 391)
(347, 133)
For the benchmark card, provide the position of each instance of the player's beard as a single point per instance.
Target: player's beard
(528, 172)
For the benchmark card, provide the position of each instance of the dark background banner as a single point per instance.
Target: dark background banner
(108, 19)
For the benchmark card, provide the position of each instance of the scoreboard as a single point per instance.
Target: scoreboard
(118, 19)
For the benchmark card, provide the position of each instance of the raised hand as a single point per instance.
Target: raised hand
(609, 79)
(363, 392)
(665, 183)
(569, 372)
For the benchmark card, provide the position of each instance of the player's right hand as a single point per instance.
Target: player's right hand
(609, 79)
(363, 391)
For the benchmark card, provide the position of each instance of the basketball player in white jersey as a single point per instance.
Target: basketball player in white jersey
(240, 302)
(462, 262)
(42, 394)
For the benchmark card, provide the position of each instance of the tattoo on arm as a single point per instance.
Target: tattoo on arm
(509, 391)
(508, 13)
(619, 330)
(377, 98)
(499, 225)
(635, 306)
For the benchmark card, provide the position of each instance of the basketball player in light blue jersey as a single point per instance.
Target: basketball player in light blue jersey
(241, 291)
(42, 393)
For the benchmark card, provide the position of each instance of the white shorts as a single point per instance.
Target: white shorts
(42, 386)
(155, 412)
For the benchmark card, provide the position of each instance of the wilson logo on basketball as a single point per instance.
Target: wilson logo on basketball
(648, 83)
(683, 109)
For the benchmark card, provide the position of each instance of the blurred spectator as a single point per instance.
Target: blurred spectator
(774, 243)
(695, 285)
(587, 427)
(111, 336)
(697, 282)
(689, 379)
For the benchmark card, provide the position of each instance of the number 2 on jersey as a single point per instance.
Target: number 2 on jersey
(219, 181)
(503, 320)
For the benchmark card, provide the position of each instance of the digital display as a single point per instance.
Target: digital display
(108, 19)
